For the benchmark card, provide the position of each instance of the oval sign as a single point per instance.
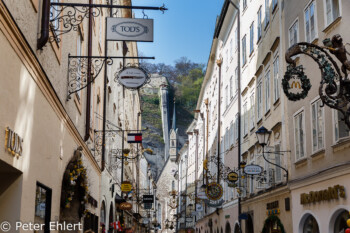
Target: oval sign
(253, 169)
(131, 77)
(125, 206)
(232, 176)
(214, 191)
(130, 29)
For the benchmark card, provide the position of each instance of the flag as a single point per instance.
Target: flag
(134, 138)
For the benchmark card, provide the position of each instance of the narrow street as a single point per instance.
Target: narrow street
(180, 116)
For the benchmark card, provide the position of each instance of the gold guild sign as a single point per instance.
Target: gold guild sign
(126, 186)
(125, 206)
(323, 195)
(232, 176)
(214, 191)
(13, 142)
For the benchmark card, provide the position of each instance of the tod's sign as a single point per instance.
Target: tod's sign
(13, 142)
(128, 29)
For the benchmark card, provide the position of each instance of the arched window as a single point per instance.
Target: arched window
(310, 225)
(249, 228)
(340, 221)
(236, 229)
(227, 228)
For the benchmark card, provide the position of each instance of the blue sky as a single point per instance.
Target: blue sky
(186, 29)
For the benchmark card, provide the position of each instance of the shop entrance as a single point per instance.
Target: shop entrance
(10, 192)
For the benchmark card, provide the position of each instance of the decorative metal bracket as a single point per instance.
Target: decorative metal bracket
(65, 17)
(78, 70)
(334, 89)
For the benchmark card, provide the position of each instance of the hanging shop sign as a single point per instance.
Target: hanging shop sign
(199, 207)
(202, 195)
(125, 206)
(134, 138)
(147, 198)
(13, 142)
(332, 193)
(147, 206)
(127, 29)
(253, 169)
(214, 191)
(215, 203)
(126, 186)
(132, 77)
(232, 176)
(295, 83)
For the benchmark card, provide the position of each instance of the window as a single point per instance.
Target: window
(299, 135)
(252, 110)
(276, 83)
(251, 38)
(317, 125)
(278, 174)
(231, 133)
(231, 49)
(310, 22)
(259, 97)
(43, 206)
(259, 24)
(340, 222)
(293, 33)
(244, 4)
(54, 15)
(236, 79)
(226, 96)
(332, 10)
(226, 59)
(236, 39)
(245, 119)
(310, 225)
(340, 128)
(244, 50)
(236, 127)
(231, 86)
(267, 91)
(267, 12)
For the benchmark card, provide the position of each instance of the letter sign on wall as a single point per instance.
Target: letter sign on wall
(13, 142)
(127, 29)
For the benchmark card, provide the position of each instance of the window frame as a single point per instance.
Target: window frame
(252, 112)
(276, 84)
(259, 103)
(312, 2)
(244, 50)
(267, 14)
(336, 124)
(267, 89)
(251, 38)
(48, 205)
(297, 113)
(259, 24)
(325, 12)
(313, 102)
(295, 22)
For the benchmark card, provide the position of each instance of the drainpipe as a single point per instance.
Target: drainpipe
(219, 63)
(45, 25)
(196, 175)
(88, 91)
(239, 96)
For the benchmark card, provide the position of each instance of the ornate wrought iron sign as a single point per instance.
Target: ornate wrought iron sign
(334, 89)
(128, 29)
(214, 191)
(232, 176)
(253, 169)
(295, 83)
(132, 77)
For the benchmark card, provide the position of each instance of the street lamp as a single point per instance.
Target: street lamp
(263, 136)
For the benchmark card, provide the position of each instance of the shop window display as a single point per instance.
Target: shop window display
(340, 223)
(310, 225)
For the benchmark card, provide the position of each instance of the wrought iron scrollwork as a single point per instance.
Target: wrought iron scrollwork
(98, 143)
(334, 89)
(67, 18)
(78, 71)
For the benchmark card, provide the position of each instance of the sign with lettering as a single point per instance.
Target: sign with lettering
(232, 176)
(125, 206)
(199, 207)
(332, 193)
(253, 169)
(126, 186)
(132, 77)
(148, 198)
(214, 191)
(215, 203)
(128, 29)
(13, 142)
(272, 205)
